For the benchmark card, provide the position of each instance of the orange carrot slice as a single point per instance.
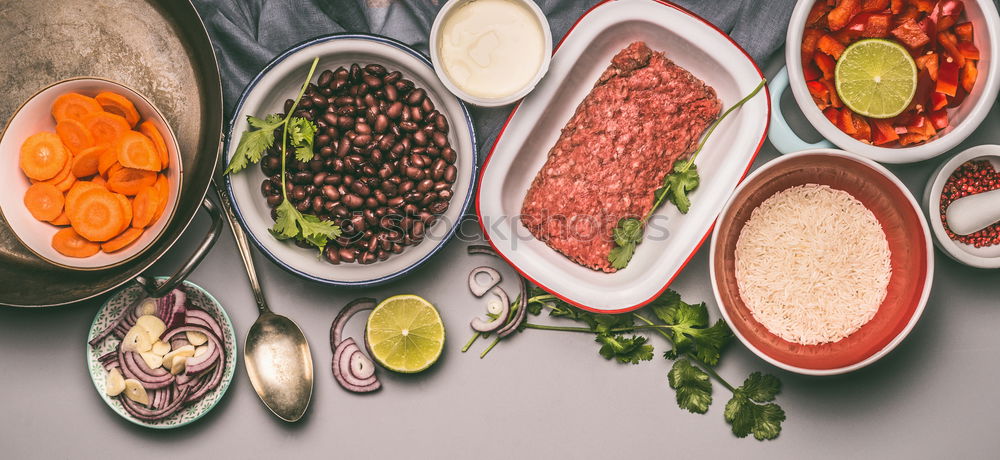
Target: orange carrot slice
(74, 106)
(107, 159)
(60, 221)
(129, 181)
(149, 129)
(43, 156)
(118, 105)
(96, 215)
(106, 127)
(122, 241)
(77, 189)
(144, 207)
(163, 188)
(74, 135)
(61, 176)
(115, 167)
(66, 183)
(99, 180)
(137, 151)
(70, 244)
(126, 205)
(86, 162)
(44, 201)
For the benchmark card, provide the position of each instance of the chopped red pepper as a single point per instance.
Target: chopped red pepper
(924, 6)
(969, 74)
(964, 31)
(938, 119)
(862, 130)
(911, 34)
(817, 14)
(883, 132)
(841, 14)
(809, 39)
(874, 5)
(950, 7)
(968, 50)
(938, 101)
(870, 25)
(950, 45)
(921, 97)
(820, 94)
(810, 72)
(826, 64)
(896, 6)
(958, 99)
(930, 62)
(832, 114)
(930, 27)
(947, 81)
(829, 45)
(834, 98)
(846, 123)
(945, 22)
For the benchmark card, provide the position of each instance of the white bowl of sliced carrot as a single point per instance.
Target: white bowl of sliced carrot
(92, 172)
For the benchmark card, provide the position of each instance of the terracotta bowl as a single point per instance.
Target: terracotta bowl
(909, 242)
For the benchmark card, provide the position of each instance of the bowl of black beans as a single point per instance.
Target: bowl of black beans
(393, 159)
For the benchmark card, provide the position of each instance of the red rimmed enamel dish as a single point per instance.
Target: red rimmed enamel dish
(533, 128)
(906, 231)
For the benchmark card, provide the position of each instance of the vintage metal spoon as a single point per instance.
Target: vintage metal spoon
(974, 212)
(276, 352)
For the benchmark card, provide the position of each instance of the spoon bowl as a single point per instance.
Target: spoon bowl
(279, 365)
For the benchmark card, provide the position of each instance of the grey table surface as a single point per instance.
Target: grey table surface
(538, 395)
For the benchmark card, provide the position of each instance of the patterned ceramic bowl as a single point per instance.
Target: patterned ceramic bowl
(128, 296)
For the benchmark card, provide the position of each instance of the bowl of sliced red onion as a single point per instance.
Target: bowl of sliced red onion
(165, 362)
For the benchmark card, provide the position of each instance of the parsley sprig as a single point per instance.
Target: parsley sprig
(675, 188)
(697, 346)
(298, 133)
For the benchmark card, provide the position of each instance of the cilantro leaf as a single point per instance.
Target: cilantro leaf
(293, 224)
(694, 389)
(680, 182)
(627, 235)
(691, 331)
(748, 415)
(625, 349)
(253, 143)
(302, 132)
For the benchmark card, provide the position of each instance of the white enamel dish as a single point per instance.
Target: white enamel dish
(35, 116)
(281, 80)
(523, 145)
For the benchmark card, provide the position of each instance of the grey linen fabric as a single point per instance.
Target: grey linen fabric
(247, 34)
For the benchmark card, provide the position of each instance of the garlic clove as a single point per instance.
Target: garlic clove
(161, 348)
(114, 383)
(137, 340)
(147, 307)
(152, 360)
(154, 326)
(200, 350)
(196, 338)
(186, 351)
(135, 392)
(178, 364)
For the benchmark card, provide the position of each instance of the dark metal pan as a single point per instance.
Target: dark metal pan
(158, 47)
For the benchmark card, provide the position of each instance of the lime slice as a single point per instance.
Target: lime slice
(405, 334)
(876, 78)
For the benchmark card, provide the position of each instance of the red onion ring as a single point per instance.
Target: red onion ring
(346, 350)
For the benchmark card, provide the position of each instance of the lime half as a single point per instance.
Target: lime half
(405, 334)
(876, 78)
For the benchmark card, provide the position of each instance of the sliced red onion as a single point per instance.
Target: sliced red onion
(172, 308)
(178, 341)
(481, 325)
(198, 364)
(126, 311)
(522, 311)
(353, 370)
(480, 290)
(134, 367)
(209, 382)
(204, 319)
(143, 413)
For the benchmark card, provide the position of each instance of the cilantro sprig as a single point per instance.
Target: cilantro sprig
(696, 348)
(675, 188)
(298, 133)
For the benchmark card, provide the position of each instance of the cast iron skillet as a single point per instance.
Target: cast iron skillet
(157, 47)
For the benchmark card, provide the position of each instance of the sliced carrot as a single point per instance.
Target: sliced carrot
(144, 207)
(77, 189)
(122, 241)
(44, 201)
(70, 244)
(96, 215)
(43, 156)
(129, 181)
(118, 105)
(163, 188)
(106, 127)
(61, 176)
(126, 205)
(74, 106)
(86, 162)
(115, 167)
(66, 183)
(137, 151)
(108, 158)
(99, 180)
(149, 129)
(75, 136)
(60, 221)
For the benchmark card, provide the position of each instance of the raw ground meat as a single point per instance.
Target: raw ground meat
(643, 114)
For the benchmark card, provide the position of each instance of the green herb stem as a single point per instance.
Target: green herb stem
(284, 127)
(470, 342)
(487, 350)
(708, 369)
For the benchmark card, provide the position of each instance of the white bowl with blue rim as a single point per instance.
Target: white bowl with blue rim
(964, 119)
(281, 79)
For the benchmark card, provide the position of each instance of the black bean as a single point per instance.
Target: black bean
(416, 114)
(332, 254)
(372, 81)
(331, 192)
(348, 255)
(441, 123)
(367, 258)
(445, 194)
(404, 85)
(392, 77)
(395, 110)
(425, 185)
(355, 72)
(317, 204)
(438, 207)
(288, 105)
(352, 201)
(318, 101)
(362, 140)
(340, 210)
(302, 206)
(450, 174)
(408, 126)
(395, 201)
(449, 155)
(391, 93)
(273, 200)
(440, 139)
(358, 222)
(360, 188)
(417, 230)
(375, 69)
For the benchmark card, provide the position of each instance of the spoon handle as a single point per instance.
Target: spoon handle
(244, 248)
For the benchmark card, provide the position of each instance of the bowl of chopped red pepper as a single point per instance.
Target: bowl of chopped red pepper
(951, 43)
(973, 171)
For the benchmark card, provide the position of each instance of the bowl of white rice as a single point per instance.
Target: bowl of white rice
(821, 262)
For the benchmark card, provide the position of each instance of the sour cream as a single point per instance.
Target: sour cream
(491, 48)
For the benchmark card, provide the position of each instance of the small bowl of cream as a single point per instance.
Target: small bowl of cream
(490, 52)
